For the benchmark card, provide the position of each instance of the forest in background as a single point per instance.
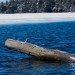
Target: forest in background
(37, 6)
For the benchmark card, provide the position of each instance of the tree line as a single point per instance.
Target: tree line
(37, 6)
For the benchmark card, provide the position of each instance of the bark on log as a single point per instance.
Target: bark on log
(39, 52)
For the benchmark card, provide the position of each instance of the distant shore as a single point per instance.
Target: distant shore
(35, 18)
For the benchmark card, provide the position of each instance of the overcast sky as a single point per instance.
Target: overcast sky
(3, 0)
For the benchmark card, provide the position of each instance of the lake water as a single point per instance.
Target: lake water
(49, 35)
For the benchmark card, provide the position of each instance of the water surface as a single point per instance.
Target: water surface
(49, 35)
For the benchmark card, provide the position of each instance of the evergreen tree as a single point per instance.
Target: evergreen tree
(37, 6)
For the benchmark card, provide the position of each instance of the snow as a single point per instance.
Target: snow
(36, 18)
(73, 58)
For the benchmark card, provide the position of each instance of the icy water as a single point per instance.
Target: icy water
(50, 35)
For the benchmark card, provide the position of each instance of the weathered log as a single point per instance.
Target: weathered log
(39, 52)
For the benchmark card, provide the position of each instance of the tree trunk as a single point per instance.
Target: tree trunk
(39, 52)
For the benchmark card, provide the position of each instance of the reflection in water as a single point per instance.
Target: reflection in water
(33, 67)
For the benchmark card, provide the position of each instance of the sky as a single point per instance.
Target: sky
(3, 0)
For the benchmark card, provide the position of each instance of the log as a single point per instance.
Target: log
(39, 52)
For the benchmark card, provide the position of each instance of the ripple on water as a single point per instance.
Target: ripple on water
(50, 35)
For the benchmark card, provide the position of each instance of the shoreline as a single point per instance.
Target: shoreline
(27, 18)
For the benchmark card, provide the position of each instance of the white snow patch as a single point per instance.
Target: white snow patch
(72, 58)
(36, 18)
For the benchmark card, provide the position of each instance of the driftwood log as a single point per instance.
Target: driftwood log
(39, 52)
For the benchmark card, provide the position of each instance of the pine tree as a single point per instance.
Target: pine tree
(34, 6)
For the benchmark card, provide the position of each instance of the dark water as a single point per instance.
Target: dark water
(52, 35)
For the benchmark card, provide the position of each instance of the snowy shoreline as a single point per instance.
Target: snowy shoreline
(36, 18)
